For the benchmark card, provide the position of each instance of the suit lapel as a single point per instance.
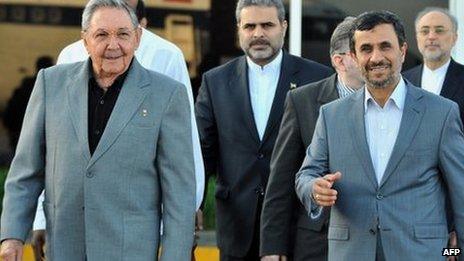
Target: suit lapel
(451, 84)
(77, 99)
(410, 121)
(416, 76)
(240, 83)
(328, 91)
(358, 131)
(130, 98)
(286, 77)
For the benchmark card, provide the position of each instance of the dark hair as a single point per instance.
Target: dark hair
(43, 62)
(368, 20)
(140, 10)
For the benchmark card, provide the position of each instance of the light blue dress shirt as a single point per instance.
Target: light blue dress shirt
(263, 82)
(382, 126)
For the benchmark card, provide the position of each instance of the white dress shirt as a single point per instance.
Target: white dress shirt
(432, 81)
(263, 82)
(157, 54)
(382, 126)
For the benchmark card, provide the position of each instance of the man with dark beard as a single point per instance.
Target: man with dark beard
(238, 111)
(385, 158)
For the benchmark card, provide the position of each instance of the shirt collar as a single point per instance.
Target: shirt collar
(273, 66)
(398, 96)
(341, 86)
(440, 70)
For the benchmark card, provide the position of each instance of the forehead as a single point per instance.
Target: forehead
(258, 14)
(434, 18)
(110, 18)
(379, 34)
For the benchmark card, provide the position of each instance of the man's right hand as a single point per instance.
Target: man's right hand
(38, 242)
(11, 250)
(274, 258)
(322, 192)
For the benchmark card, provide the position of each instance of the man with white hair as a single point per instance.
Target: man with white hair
(153, 53)
(109, 142)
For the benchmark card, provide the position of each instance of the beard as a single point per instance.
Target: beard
(382, 83)
(263, 54)
(434, 56)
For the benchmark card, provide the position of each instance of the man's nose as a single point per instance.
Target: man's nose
(377, 55)
(432, 35)
(113, 42)
(258, 32)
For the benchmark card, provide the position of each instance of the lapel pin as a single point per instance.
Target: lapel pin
(292, 86)
(144, 112)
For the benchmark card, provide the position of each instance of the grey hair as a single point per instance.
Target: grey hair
(267, 3)
(340, 40)
(93, 5)
(454, 21)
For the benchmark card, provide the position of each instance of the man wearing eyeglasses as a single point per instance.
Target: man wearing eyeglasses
(436, 34)
(109, 142)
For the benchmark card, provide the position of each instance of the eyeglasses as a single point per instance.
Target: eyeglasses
(437, 31)
(122, 35)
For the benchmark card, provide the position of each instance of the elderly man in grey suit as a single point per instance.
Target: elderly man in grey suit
(110, 141)
(383, 157)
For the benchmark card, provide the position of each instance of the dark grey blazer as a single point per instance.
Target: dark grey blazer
(231, 146)
(283, 218)
(453, 86)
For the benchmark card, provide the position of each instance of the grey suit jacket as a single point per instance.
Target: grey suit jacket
(408, 206)
(105, 206)
(283, 217)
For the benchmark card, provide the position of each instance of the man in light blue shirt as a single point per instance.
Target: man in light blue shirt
(385, 158)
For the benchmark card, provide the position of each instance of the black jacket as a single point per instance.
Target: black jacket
(231, 146)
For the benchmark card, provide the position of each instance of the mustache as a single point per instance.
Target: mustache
(377, 64)
(259, 42)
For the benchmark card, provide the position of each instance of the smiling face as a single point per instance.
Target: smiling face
(379, 56)
(435, 36)
(111, 41)
(261, 34)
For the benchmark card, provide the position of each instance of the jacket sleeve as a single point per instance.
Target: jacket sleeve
(25, 180)
(207, 128)
(177, 69)
(174, 162)
(315, 165)
(451, 153)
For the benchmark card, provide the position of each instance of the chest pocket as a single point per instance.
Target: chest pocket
(144, 117)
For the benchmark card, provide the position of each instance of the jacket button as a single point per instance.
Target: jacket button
(260, 155)
(89, 175)
(379, 196)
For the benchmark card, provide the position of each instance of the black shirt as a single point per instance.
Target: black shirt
(101, 105)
